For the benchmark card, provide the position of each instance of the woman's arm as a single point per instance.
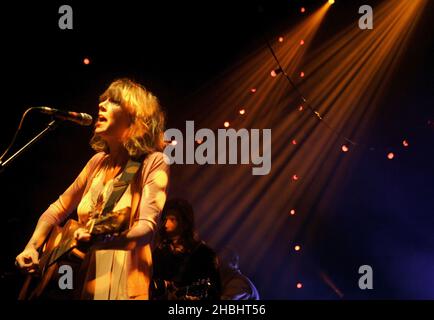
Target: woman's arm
(28, 259)
(56, 213)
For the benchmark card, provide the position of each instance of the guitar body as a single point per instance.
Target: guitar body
(198, 290)
(59, 244)
(60, 247)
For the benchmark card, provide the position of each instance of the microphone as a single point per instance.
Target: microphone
(82, 119)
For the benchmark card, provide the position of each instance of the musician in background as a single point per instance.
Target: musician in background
(185, 268)
(130, 125)
(235, 285)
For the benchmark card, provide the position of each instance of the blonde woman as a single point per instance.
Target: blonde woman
(130, 125)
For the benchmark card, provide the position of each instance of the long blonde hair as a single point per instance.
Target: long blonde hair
(145, 134)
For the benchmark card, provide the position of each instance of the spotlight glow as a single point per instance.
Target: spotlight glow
(294, 142)
(174, 142)
(292, 212)
(253, 90)
(299, 285)
(242, 111)
(405, 143)
(302, 74)
(390, 155)
(295, 177)
(300, 108)
(86, 61)
(297, 248)
(302, 10)
(280, 39)
(301, 42)
(275, 72)
(331, 1)
(345, 148)
(226, 124)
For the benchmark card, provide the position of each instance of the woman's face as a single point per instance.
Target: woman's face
(113, 121)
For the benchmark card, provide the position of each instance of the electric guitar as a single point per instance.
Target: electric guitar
(61, 244)
(198, 290)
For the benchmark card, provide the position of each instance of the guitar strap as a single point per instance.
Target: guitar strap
(121, 185)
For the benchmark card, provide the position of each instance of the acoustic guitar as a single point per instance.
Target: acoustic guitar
(61, 244)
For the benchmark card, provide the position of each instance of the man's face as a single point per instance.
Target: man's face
(171, 225)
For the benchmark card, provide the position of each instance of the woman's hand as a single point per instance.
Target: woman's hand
(81, 234)
(28, 260)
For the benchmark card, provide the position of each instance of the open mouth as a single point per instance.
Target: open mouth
(101, 118)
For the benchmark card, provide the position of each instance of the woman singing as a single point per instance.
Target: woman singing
(130, 125)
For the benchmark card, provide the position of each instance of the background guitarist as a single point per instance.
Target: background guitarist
(130, 125)
(185, 268)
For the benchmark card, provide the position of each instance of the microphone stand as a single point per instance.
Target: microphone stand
(51, 126)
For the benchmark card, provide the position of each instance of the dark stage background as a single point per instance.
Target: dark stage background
(382, 213)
